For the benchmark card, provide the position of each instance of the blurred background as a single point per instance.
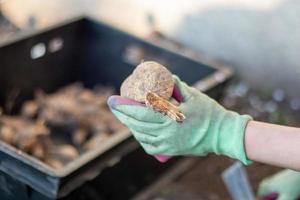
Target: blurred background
(258, 40)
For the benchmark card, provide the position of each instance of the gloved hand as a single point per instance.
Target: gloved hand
(284, 185)
(208, 126)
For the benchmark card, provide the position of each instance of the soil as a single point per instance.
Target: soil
(204, 180)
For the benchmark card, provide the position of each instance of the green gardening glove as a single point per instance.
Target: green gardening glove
(285, 184)
(208, 126)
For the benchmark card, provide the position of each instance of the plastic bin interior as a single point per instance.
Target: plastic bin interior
(87, 51)
(84, 51)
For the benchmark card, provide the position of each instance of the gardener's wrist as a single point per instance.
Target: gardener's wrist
(231, 135)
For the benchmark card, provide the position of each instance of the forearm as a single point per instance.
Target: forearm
(273, 144)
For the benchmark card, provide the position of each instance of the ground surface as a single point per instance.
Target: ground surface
(204, 181)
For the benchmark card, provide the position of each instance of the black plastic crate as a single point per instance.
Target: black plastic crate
(93, 53)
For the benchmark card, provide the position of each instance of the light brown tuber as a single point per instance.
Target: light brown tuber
(152, 83)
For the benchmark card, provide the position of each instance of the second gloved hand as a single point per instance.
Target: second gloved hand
(208, 126)
(285, 184)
